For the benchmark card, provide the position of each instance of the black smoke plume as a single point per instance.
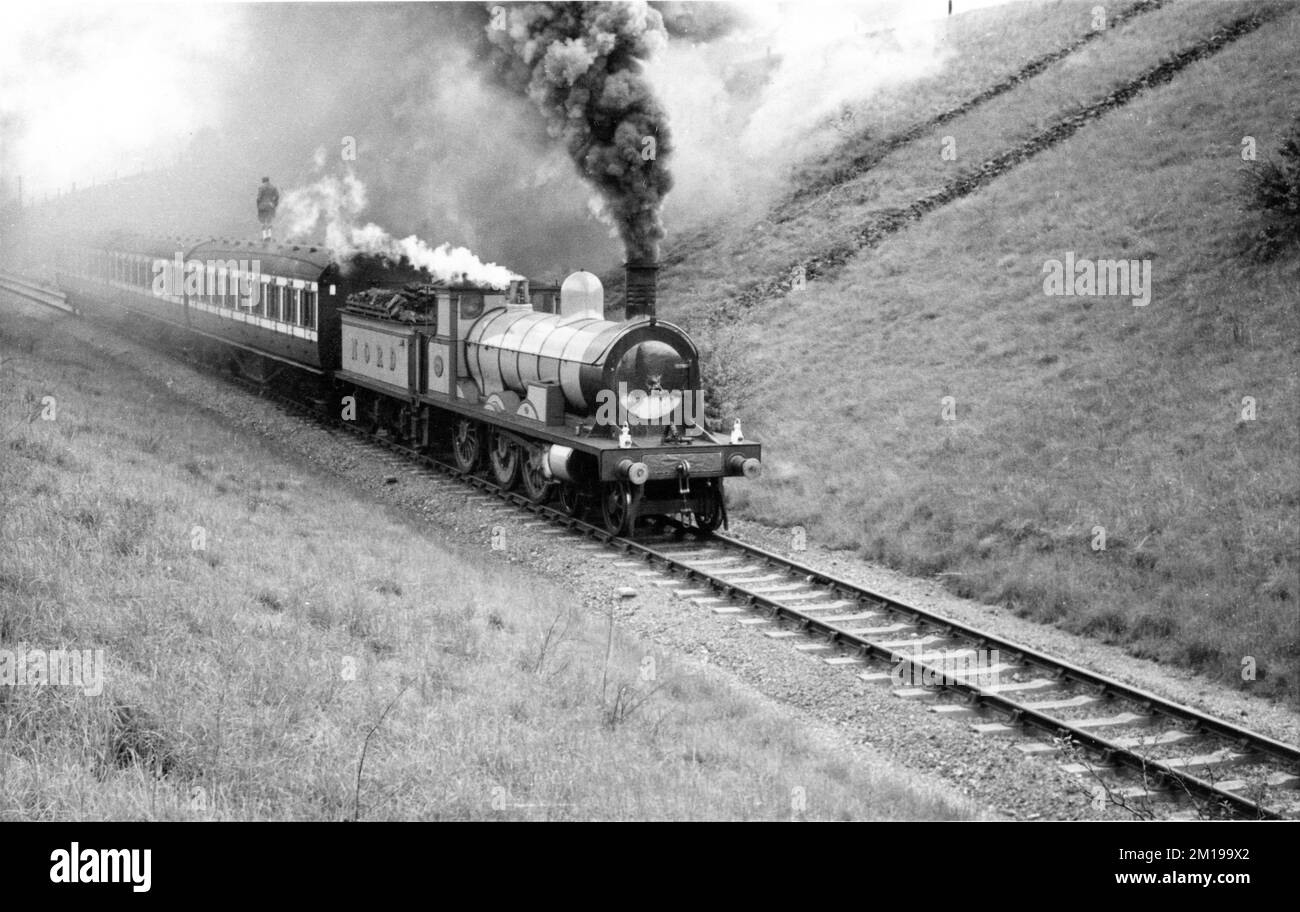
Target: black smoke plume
(580, 63)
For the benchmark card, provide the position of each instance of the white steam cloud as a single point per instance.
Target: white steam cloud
(335, 203)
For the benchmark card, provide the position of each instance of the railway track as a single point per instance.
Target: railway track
(33, 292)
(1137, 747)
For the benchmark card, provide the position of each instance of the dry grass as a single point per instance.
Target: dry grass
(325, 658)
(1070, 412)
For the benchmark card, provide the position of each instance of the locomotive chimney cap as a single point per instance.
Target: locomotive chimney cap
(639, 290)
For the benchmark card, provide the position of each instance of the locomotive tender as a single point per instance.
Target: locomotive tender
(536, 388)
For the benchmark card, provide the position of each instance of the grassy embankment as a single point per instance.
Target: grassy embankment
(246, 679)
(721, 264)
(1070, 413)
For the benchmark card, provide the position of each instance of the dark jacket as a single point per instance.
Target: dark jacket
(267, 197)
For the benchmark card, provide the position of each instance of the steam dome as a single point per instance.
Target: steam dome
(582, 295)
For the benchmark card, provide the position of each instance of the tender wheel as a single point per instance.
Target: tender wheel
(572, 501)
(467, 445)
(709, 507)
(503, 455)
(618, 503)
(537, 486)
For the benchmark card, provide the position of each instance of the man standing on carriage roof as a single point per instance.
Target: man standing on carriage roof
(268, 198)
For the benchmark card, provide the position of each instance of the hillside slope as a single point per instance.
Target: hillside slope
(276, 642)
(1068, 413)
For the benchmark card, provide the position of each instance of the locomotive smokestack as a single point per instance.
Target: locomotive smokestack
(639, 295)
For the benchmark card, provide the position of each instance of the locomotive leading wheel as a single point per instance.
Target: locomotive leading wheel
(467, 445)
(618, 506)
(536, 485)
(503, 455)
(708, 508)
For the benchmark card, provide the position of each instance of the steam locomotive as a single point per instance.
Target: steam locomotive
(530, 384)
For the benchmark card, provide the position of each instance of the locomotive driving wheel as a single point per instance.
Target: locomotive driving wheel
(536, 485)
(619, 501)
(467, 444)
(504, 457)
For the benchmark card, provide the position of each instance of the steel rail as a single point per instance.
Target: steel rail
(34, 292)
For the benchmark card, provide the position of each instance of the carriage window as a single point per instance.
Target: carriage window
(309, 308)
(295, 296)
